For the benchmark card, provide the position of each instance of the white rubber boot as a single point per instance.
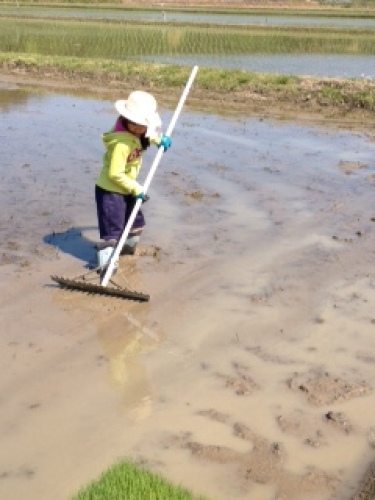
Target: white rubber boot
(105, 250)
(130, 245)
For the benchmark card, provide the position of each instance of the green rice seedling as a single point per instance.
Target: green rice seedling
(125, 480)
(131, 40)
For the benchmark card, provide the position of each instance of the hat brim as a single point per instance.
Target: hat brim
(153, 123)
(123, 110)
(154, 127)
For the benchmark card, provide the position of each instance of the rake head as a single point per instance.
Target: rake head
(85, 286)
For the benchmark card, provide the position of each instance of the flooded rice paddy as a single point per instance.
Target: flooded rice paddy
(250, 373)
(165, 16)
(341, 55)
(321, 65)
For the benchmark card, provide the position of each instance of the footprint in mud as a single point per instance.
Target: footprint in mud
(270, 357)
(351, 167)
(23, 472)
(312, 429)
(261, 464)
(371, 437)
(34, 406)
(149, 251)
(340, 421)
(241, 382)
(366, 357)
(307, 428)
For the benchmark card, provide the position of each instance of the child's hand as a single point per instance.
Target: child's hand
(165, 141)
(142, 196)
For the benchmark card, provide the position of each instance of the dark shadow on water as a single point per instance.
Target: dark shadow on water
(73, 243)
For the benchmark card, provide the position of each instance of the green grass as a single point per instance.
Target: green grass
(126, 481)
(150, 75)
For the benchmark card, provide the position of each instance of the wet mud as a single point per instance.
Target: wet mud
(250, 374)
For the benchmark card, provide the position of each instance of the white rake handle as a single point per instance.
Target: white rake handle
(154, 166)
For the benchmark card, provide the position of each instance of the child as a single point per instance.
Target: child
(117, 189)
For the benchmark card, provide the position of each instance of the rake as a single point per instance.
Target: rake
(82, 282)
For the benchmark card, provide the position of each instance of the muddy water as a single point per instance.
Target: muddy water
(250, 373)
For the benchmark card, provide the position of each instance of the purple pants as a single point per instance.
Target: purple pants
(114, 210)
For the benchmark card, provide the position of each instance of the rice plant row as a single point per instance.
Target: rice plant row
(125, 41)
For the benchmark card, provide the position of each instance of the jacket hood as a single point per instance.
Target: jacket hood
(110, 139)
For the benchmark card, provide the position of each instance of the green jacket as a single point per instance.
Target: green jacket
(121, 163)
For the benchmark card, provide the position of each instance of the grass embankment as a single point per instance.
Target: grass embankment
(237, 89)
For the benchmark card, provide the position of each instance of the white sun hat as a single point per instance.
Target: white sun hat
(141, 107)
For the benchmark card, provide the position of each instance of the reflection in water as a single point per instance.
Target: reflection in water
(14, 97)
(9, 99)
(319, 65)
(124, 341)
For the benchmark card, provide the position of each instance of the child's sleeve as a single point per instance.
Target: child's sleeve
(117, 171)
(155, 139)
